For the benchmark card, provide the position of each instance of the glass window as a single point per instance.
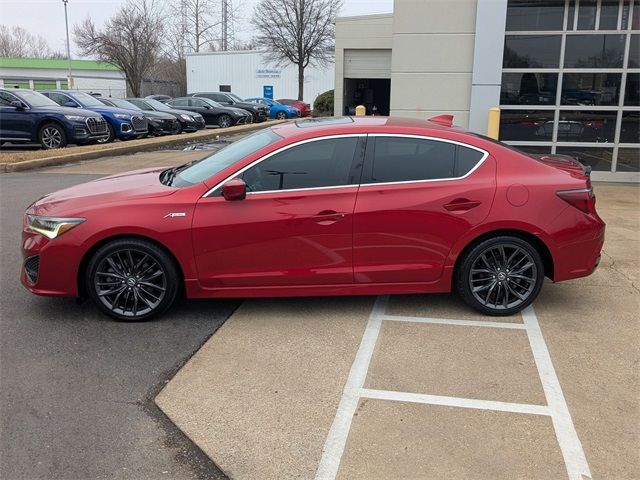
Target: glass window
(628, 160)
(535, 150)
(587, 14)
(609, 14)
(225, 157)
(634, 48)
(60, 98)
(594, 51)
(466, 160)
(321, 163)
(406, 159)
(45, 85)
(86, 99)
(632, 90)
(630, 129)
(591, 88)
(522, 125)
(6, 99)
(196, 102)
(600, 159)
(528, 88)
(533, 15)
(635, 22)
(532, 51)
(570, 14)
(582, 126)
(179, 102)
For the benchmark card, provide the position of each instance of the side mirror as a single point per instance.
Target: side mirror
(70, 104)
(18, 105)
(208, 107)
(234, 189)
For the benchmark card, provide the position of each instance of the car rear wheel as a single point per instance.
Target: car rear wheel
(52, 136)
(132, 280)
(111, 134)
(281, 115)
(224, 121)
(500, 276)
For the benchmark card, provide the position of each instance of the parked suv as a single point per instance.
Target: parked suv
(259, 112)
(212, 112)
(121, 123)
(27, 116)
(159, 123)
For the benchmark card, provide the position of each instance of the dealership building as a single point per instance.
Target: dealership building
(49, 74)
(565, 73)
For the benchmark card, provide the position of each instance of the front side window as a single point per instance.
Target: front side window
(319, 163)
(6, 99)
(59, 98)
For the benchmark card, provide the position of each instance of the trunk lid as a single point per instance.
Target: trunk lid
(565, 163)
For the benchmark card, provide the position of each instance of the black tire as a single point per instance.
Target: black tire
(111, 135)
(132, 280)
(281, 116)
(177, 129)
(51, 136)
(500, 276)
(225, 121)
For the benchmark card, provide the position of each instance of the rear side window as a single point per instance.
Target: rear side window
(180, 102)
(403, 159)
(321, 163)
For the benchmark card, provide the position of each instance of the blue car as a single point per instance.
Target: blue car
(26, 116)
(122, 123)
(276, 110)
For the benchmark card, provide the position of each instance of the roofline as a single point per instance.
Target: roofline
(227, 52)
(363, 17)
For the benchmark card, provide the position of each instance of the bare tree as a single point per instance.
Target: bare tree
(131, 40)
(194, 25)
(17, 42)
(298, 31)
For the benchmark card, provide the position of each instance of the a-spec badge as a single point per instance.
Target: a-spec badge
(175, 214)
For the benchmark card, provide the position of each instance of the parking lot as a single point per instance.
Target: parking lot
(413, 386)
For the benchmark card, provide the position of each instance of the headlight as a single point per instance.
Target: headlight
(78, 118)
(188, 118)
(52, 227)
(123, 116)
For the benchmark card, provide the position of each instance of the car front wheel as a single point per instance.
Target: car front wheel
(224, 121)
(111, 134)
(132, 280)
(281, 115)
(52, 136)
(500, 276)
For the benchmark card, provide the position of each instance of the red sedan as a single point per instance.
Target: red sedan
(339, 206)
(304, 108)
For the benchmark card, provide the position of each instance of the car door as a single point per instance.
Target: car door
(418, 196)
(200, 106)
(14, 123)
(295, 225)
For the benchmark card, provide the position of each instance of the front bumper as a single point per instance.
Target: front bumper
(79, 132)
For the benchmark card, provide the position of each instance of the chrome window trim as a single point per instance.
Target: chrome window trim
(485, 154)
(279, 150)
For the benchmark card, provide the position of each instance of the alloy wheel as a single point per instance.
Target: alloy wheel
(224, 121)
(51, 137)
(503, 276)
(130, 282)
(281, 115)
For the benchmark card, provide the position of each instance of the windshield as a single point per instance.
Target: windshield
(86, 99)
(225, 157)
(36, 99)
(124, 104)
(213, 103)
(156, 105)
(235, 97)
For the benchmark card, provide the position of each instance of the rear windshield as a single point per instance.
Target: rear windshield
(225, 157)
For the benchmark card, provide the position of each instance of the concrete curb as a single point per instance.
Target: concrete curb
(123, 148)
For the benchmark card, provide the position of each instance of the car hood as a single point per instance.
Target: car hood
(108, 110)
(237, 111)
(157, 115)
(176, 111)
(69, 111)
(81, 198)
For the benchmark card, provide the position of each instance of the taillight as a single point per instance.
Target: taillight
(582, 199)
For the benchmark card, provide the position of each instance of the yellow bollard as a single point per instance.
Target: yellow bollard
(493, 124)
(361, 111)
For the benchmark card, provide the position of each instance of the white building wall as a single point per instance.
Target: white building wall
(107, 82)
(248, 71)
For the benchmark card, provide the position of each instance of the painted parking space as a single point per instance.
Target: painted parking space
(446, 392)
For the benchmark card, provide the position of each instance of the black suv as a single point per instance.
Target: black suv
(259, 112)
(28, 116)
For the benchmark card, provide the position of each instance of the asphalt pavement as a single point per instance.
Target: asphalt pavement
(76, 388)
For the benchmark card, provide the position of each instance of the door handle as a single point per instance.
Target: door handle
(461, 205)
(327, 217)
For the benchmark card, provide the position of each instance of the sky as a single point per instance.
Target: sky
(46, 17)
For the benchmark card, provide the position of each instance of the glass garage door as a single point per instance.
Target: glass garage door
(571, 81)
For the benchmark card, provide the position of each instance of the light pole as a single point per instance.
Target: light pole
(66, 24)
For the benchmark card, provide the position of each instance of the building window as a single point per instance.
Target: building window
(571, 80)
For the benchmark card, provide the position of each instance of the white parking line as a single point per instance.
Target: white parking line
(556, 408)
